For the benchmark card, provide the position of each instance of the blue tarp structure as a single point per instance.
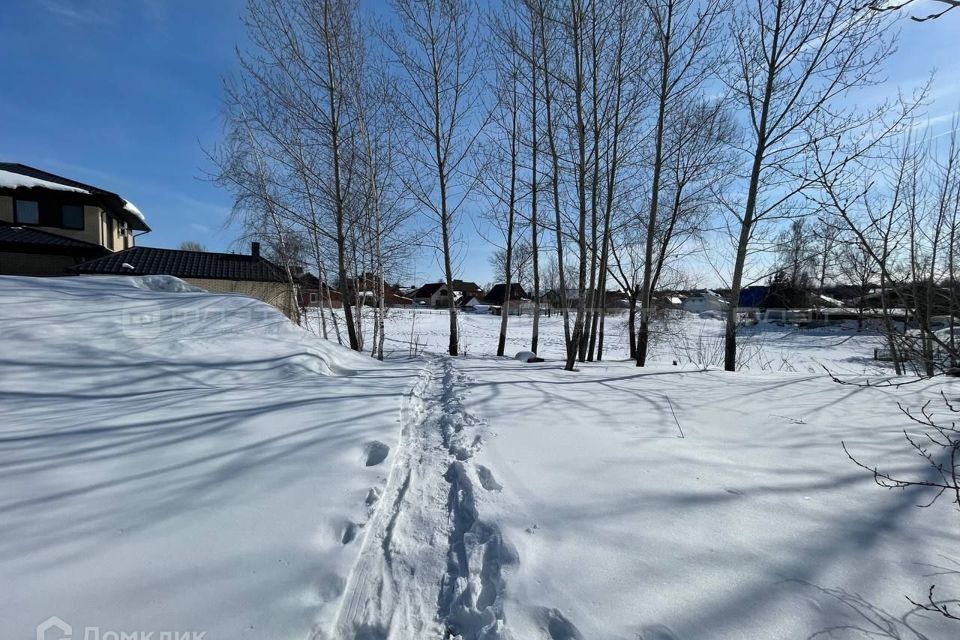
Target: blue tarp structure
(752, 296)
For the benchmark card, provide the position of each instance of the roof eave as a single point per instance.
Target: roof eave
(108, 202)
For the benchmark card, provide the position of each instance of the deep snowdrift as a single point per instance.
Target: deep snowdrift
(172, 460)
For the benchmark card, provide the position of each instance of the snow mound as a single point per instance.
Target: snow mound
(121, 314)
(166, 284)
(525, 356)
(150, 434)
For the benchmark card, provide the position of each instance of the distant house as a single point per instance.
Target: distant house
(367, 286)
(707, 300)
(668, 300)
(434, 294)
(496, 297)
(476, 305)
(251, 275)
(49, 223)
(406, 292)
(310, 292)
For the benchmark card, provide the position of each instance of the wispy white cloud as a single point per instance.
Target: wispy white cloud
(89, 13)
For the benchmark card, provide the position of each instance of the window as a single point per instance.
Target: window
(72, 216)
(27, 212)
(313, 298)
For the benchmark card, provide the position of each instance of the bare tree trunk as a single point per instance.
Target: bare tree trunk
(511, 207)
(534, 192)
(554, 177)
(589, 335)
(338, 195)
(793, 61)
(632, 324)
(662, 97)
(437, 55)
(581, 172)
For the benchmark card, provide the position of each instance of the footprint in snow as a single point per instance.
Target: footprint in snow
(375, 452)
(349, 532)
(487, 481)
(369, 632)
(558, 627)
(657, 632)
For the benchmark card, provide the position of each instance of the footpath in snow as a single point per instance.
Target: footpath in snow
(430, 566)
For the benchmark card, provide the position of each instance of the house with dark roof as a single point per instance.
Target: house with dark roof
(28, 251)
(251, 275)
(49, 222)
(496, 297)
(434, 294)
(312, 293)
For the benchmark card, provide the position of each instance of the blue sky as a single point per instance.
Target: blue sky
(121, 94)
(124, 94)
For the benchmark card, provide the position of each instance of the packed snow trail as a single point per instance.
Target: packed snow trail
(429, 566)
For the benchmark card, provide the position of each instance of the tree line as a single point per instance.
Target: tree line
(606, 142)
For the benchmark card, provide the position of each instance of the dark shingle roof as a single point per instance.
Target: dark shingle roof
(29, 240)
(430, 288)
(184, 264)
(495, 296)
(427, 290)
(106, 199)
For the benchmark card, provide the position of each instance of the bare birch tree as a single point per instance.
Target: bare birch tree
(435, 49)
(794, 60)
(684, 33)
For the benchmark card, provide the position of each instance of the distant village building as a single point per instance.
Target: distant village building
(311, 293)
(702, 301)
(366, 288)
(496, 298)
(434, 294)
(49, 223)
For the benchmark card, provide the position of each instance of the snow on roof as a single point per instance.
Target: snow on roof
(130, 208)
(26, 177)
(831, 301)
(14, 180)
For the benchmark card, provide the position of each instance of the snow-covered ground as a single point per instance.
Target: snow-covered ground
(685, 338)
(172, 460)
(178, 461)
(664, 504)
